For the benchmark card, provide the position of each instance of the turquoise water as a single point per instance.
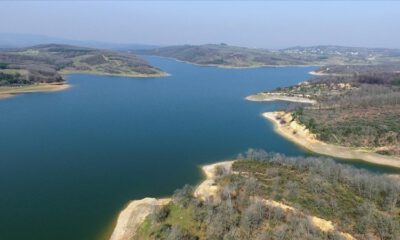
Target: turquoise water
(69, 161)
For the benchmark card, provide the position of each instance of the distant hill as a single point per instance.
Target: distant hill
(45, 63)
(223, 55)
(18, 40)
(230, 56)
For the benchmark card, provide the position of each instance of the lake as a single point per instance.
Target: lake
(71, 160)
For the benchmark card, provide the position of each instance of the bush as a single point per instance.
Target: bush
(161, 214)
(183, 197)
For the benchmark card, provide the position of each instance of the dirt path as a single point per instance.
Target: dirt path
(322, 224)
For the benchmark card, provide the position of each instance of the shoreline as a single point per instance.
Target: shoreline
(136, 211)
(314, 73)
(7, 92)
(269, 97)
(138, 75)
(12, 91)
(299, 135)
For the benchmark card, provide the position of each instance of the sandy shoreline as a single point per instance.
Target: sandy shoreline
(130, 218)
(268, 97)
(133, 216)
(207, 190)
(6, 92)
(314, 73)
(136, 75)
(302, 137)
(328, 74)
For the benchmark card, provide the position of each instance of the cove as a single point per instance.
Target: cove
(71, 160)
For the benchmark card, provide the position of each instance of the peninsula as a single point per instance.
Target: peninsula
(41, 67)
(267, 196)
(353, 114)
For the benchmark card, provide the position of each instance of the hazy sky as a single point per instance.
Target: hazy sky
(267, 24)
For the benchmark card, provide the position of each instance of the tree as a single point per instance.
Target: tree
(386, 227)
(253, 216)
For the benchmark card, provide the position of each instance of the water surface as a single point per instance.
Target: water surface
(69, 161)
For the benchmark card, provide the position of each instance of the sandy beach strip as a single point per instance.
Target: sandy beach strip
(6, 92)
(298, 134)
(318, 73)
(207, 190)
(268, 97)
(314, 73)
(99, 73)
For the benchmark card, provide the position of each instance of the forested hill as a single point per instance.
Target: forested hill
(46, 63)
(224, 55)
(230, 56)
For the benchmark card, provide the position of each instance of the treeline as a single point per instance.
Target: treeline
(366, 95)
(360, 203)
(352, 70)
(357, 75)
(12, 79)
(30, 75)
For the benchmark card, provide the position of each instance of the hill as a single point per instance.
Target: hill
(346, 55)
(223, 55)
(46, 63)
(20, 40)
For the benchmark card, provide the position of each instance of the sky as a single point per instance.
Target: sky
(266, 24)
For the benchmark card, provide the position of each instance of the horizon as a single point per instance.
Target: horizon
(269, 25)
(84, 43)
